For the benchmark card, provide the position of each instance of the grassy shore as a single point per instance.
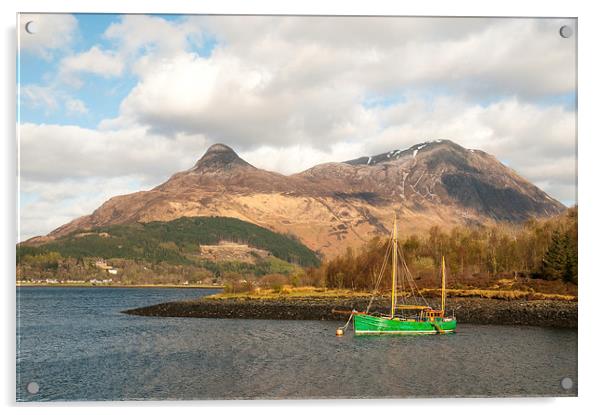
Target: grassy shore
(294, 293)
(500, 294)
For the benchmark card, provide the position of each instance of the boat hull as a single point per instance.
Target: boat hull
(365, 324)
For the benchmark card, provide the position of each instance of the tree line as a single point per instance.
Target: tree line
(538, 249)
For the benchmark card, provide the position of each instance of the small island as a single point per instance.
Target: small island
(308, 303)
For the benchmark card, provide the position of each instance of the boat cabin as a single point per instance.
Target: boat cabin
(430, 314)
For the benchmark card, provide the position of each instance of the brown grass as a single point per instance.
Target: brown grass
(293, 292)
(500, 294)
(288, 292)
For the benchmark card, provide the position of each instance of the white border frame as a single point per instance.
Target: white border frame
(589, 193)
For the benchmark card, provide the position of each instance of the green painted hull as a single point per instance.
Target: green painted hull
(367, 324)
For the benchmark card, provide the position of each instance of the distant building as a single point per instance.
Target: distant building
(95, 281)
(102, 264)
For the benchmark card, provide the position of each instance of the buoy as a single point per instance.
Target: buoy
(340, 332)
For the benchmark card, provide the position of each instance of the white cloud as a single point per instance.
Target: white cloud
(53, 206)
(152, 38)
(52, 32)
(225, 99)
(481, 56)
(95, 60)
(299, 157)
(50, 99)
(55, 153)
(299, 79)
(37, 96)
(76, 107)
(68, 171)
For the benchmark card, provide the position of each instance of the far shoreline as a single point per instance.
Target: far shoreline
(203, 287)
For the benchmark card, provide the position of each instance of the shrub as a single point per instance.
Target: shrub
(273, 281)
(234, 287)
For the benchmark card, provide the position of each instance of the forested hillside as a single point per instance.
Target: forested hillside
(162, 252)
(544, 250)
(173, 242)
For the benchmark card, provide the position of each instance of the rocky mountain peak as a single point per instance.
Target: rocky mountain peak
(447, 146)
(220, 157)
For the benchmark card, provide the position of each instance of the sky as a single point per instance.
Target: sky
(112, 104)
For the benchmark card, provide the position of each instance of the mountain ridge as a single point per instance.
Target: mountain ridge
(334, 205)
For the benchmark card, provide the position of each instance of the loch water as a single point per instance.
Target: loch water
(75, 344)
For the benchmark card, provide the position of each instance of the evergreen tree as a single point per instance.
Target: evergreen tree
(555, 263)
(570, 273)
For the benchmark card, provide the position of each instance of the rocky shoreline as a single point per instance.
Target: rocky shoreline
(542, 313)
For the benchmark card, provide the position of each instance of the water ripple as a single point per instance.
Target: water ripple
(77, 345)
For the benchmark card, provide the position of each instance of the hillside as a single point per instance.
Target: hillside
(336, 205)
(175, 242)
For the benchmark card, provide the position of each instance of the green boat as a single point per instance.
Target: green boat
(412, 318)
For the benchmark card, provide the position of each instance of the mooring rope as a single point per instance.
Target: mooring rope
(348, 321)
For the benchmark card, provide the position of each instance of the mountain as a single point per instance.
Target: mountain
(335, 205)
(442, 173)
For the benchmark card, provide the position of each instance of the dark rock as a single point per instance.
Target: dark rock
(467, 310)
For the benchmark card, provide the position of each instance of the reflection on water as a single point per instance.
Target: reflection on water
(76, 345)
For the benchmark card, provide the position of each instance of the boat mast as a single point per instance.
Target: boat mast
(443, 284)
(394, 269)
